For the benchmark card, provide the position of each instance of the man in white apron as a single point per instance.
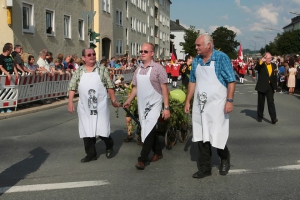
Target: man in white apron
(150, 86)
(212, 82)
(93, 83)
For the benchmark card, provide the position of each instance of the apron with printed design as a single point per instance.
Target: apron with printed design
(93, 111)
(149, 103)
(210, 123)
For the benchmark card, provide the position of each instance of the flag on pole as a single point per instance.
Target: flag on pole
(240, 54)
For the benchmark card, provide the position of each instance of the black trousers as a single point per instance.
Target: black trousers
(151, 142)
(269, 94)
(90, 148)
(204, 155)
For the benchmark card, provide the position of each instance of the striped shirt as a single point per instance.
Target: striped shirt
(158, 75)
(223, 67)
(102, 71)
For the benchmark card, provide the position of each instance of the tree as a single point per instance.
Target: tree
(190, 37)
(224, 39)
(289, 42)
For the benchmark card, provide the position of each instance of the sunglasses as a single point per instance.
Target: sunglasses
(144, 51)
(90, 54)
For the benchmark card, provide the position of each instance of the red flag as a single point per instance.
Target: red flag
(173, 57)
(240, 54)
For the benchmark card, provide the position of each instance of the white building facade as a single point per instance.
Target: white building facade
(178, 31)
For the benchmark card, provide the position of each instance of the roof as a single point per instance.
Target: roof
(294, 20)
(175, 25)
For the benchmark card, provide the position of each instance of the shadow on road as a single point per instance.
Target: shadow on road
(215, 161)
(250, 113)
(12, 175)
(118, 137)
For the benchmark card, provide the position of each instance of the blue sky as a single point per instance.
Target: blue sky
(247, 18)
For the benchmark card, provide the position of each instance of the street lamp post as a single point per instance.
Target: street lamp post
(254, 45)
(251, 46)
(272, 29)
(265, 41)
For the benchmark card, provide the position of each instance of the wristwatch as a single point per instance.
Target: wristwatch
(167, 108)
(229, 100)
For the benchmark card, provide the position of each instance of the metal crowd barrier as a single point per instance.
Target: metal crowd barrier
(29, 88)
(127, 74)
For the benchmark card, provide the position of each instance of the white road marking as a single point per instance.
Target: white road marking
(52, 186)
(287, 167)
(239, 171)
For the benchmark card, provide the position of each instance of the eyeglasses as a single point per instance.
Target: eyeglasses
(144, 51)
(90, 54)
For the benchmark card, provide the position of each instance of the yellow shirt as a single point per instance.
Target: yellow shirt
(269, 67)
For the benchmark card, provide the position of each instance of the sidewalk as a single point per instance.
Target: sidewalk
(35, 107)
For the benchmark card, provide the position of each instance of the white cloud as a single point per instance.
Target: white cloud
(257, 27)
(244, 8)
(233, 28)
(213, 28)
(224, 17)
(268, 14)
(296, 1)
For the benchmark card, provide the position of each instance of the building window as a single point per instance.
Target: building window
(126, 4)
(67, 26)
(151, 12)
(50, 22)
(127, 36)
(28, 13)
(119, 47)
(119, 17)
(81, 29)
(106, 6)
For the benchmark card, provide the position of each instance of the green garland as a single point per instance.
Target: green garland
(178, 117)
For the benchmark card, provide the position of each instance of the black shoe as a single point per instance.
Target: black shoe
(128, 139)
(259, 120)
(200, 174)
(225, 166)
(274, 121)
(109, 152)
(88, 159)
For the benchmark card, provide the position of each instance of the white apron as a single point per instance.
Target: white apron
(210, 123)
(93, 111)
(149, 103)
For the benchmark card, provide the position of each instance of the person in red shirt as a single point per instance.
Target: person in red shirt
(175, 73)
(168, 70)
(242, 71)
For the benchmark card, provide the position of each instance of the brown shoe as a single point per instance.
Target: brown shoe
(140, 165)
(156, 157)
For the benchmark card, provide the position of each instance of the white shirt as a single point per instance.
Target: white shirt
(43, 63)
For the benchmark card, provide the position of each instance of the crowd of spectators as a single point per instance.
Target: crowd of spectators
(288, 72)
(14, 61)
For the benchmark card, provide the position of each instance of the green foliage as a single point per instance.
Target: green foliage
(284, 43)
(224, 39)
(178, 116)
(190, 37)
(288, 42)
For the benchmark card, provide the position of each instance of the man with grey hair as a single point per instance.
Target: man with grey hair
(42, 62)
(212, 82)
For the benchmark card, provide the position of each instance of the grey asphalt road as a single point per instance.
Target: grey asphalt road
(44, 148)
